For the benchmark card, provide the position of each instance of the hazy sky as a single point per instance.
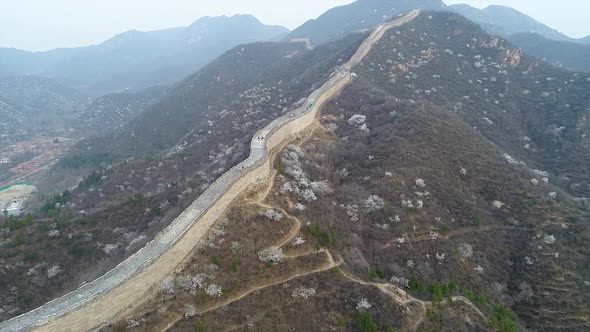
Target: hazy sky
(571, 17)
(46, 24)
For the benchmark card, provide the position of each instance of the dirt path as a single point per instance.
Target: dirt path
(259, 199)
(329, 265)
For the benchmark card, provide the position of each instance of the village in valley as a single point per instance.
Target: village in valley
(21, 164)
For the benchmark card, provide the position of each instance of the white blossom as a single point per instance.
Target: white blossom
(213, 290)
(131, 323)
(363, 305)
(374, 203)
(401, 281)
(54, 270)
(271, 255)
(272, 215)
(168, 285)
(549, 239)
(199, 281)
(433, 235)
(189, 311)
(403, 239)
(420, 183)
(479, 269)
(298, 241)
(512, 160)
(553, 195)
(541, 173)
(463, 171)
(352, 211)
(357, 120)
(465, 250)
(304, 293)
(308, 195)
(497, 204)
(343, 172)
(320, 187)
(109, 248)
(236, 247)
(300, 207)
(407, 204)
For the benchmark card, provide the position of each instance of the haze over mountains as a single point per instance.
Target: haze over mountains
(505, 21)
(137, 59)
(566, 54)
(359, 15)
(445, 188)
(498, 20)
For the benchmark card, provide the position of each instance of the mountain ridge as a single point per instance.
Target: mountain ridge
(127, 59)
(505, 21)
(563, 53)
(359, 15)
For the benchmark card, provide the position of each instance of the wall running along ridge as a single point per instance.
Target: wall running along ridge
(128, 284)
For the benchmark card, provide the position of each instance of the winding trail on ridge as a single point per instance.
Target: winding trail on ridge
(130, 283)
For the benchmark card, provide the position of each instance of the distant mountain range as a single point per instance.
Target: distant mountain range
(505, 21)
(137, 59)
(574, 56)
(533, 37)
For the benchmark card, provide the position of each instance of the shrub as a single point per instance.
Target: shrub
(436, 291)
(215, 261)
(416, 285)
(503, 319)
(200, 326)
(440, 291)
(366, 323)
(477, 220)
(53, 202)
(234, 265)
(281, 168)
(376, 272)
(435, 317)
(16, 223)
(31, 255)
(79, 250)
(78, 161)
(91, 180)
(18, 240)
(136, 199)
(323, 238)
